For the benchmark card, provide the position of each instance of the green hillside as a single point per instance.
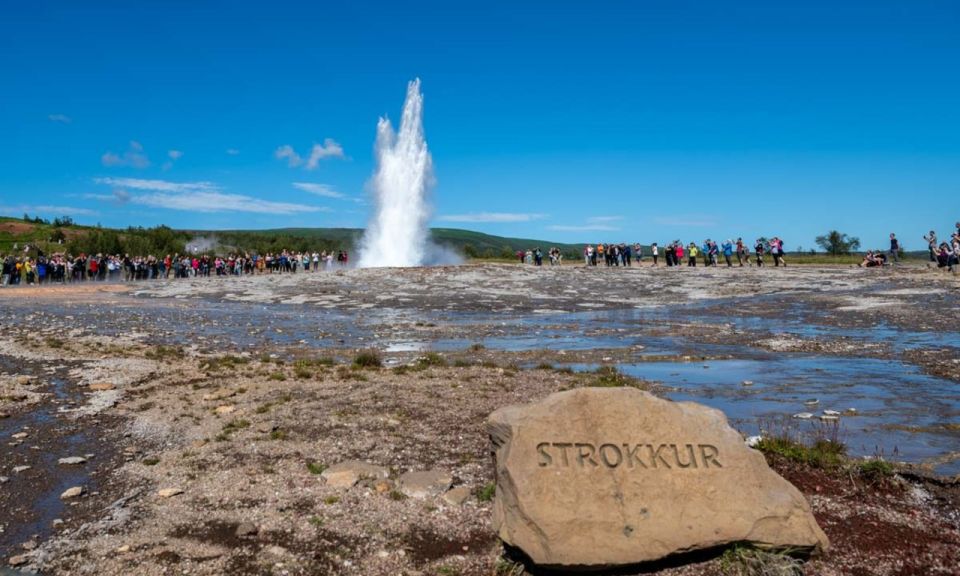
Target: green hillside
(67, 236)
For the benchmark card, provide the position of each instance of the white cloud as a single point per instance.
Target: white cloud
(133, 157)
(195, 197)
(490, 217)
(158, 185)
(692, 221)
(62, 118)
(585, 228)
(287, 151)
(602, 219)
(329, 149)
(232, 152)
(220, 202)
(118, 196)
(174, 154)
(324, 190)
(46, 210)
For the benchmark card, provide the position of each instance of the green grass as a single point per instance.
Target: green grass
(610, 377)
(487, 493)
(748, 561)
(875, 469)
(825, 454)
(368, 359)
(316, 467)
(429, 360)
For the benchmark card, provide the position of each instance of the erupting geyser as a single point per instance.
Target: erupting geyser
(397, 234)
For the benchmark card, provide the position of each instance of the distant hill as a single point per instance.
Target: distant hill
(77, 238)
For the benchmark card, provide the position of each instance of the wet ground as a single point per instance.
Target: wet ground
(870, 357)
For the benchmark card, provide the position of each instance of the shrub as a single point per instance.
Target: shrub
(487, 493)
(746, 561)
(367, 359)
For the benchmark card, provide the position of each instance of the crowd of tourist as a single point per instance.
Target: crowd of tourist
(62, 268)
(946, 253)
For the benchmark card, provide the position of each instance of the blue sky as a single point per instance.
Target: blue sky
(639, 121)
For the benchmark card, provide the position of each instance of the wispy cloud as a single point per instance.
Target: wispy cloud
(46, 210)
(602, 219)
(233, 152)
(61, 118)
(220, 202)
(585, 228)
(691, 221)
(491, 217)
(119, 196)
(175, 154)
(158, 185)
(202, 196)
(133, 157)
(324, 190)
(329, 149)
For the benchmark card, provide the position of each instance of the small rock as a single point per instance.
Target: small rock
(830, 413)
(18, 560)
(803, 416)
(426, 484)
(220, 394)
(811, 402)
(169, 492)
(19, 435)
(246, 529)
(829, 418)
(29, 545)
(19, 469)
(225, 409)
(456, 496)
(348, 473)
(57, 522)
(72, 493)
(276, 551)
(747, 383)
(123, 549)
(24, 380)
(72, 460)
(383, 486)
(4, 415)
(4, 479)
(101, 386)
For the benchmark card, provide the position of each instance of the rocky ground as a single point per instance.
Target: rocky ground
(206, 440)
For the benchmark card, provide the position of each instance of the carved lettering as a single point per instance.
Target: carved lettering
(609, 455)
(691, 461)
(586, 452)
(709, 454)
(633, 455)
(605, 452)
(545, 458)
(656, 455)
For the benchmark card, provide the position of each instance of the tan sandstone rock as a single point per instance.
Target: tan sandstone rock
(346, 474)
(425, 484)
(599, 477)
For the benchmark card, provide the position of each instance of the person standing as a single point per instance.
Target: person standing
(932, 245)
(655, 252)
(894, 248)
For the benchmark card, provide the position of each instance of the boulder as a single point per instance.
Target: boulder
(457, 496)
(72, 460)
(72, 493)
(425, 484)
(348, 473)
(603, 477)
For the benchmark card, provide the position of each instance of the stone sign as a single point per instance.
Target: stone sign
(601, 477)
